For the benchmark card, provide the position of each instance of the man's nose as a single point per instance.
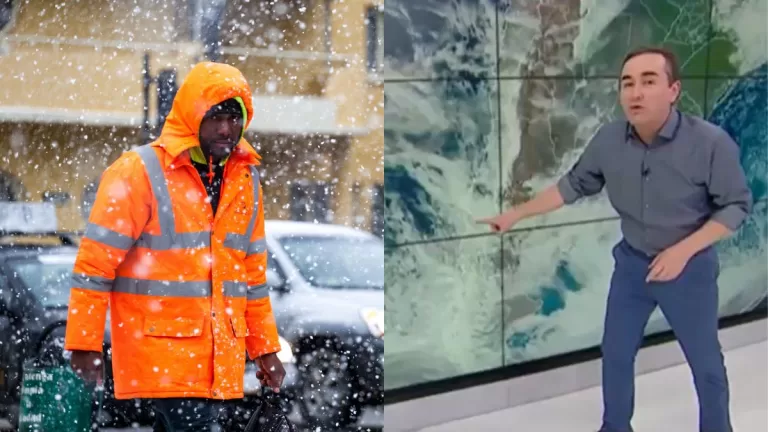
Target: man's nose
(224, 128)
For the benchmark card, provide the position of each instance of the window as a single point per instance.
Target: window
(88, 197)
(272, 263)
(358, 218)
(6, 298)
(337, 262)
(11, 188)
(377, 210)
(208, 21)
(310, 201)
(374, 22)
(46, 276)
(7, 13)
(275, 275)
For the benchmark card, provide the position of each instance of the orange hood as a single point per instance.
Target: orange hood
(207, 84)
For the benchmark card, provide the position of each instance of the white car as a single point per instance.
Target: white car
(327, 291)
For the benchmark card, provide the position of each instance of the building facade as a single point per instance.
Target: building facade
(72, 96)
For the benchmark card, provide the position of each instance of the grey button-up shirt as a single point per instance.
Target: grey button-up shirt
(664, 191)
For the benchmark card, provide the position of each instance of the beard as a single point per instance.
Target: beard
(218, 149)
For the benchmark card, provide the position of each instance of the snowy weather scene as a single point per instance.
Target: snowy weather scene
(191, 215)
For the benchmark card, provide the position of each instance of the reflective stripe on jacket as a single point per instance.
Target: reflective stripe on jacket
(186, 290)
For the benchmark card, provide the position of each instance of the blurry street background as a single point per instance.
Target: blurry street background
(83, 81)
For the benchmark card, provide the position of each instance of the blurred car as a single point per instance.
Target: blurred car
(327, 291)
(36, 265)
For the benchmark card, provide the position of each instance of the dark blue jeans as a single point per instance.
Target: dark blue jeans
(186, 415)
(690, 305)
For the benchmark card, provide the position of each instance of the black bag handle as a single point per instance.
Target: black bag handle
(50, 328)
(276, 416)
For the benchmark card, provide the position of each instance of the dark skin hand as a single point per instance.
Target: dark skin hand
(88, 365)
(271, 371)
(219, 135)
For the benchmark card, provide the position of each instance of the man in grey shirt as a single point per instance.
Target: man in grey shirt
(677, 184)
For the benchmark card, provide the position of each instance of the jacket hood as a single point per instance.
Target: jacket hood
(207, 84)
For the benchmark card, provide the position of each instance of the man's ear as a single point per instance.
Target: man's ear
(677, 89)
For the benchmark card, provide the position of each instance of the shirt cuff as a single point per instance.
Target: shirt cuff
(732, 216)
(567, 192)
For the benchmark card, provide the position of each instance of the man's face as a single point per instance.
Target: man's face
(219, 134)
(646, 94)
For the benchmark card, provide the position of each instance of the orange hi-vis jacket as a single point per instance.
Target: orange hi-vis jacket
(186, 289)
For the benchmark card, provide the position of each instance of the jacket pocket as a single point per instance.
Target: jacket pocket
(178, 328)
(239, 326)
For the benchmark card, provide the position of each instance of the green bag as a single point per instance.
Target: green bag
(53, 397)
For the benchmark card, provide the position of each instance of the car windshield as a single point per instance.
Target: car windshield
(338, 261)
(48, 277)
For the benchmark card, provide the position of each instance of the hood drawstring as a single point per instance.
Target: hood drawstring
(210, 170)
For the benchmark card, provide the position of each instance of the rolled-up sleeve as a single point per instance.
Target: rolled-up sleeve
(728, 187)
(585, 178)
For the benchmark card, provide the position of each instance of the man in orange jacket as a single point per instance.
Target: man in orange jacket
(175, 247)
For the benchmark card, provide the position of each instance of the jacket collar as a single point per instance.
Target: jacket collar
(668, 131)
(176, 156)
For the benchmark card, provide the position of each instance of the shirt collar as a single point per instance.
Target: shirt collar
(668, 132)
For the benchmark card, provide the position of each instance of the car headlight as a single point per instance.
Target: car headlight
(374, 319)
(286, 352)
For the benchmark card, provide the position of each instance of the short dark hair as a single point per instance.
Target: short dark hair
(673, 70)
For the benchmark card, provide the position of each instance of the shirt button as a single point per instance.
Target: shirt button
(213, 314)
(215, 393)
